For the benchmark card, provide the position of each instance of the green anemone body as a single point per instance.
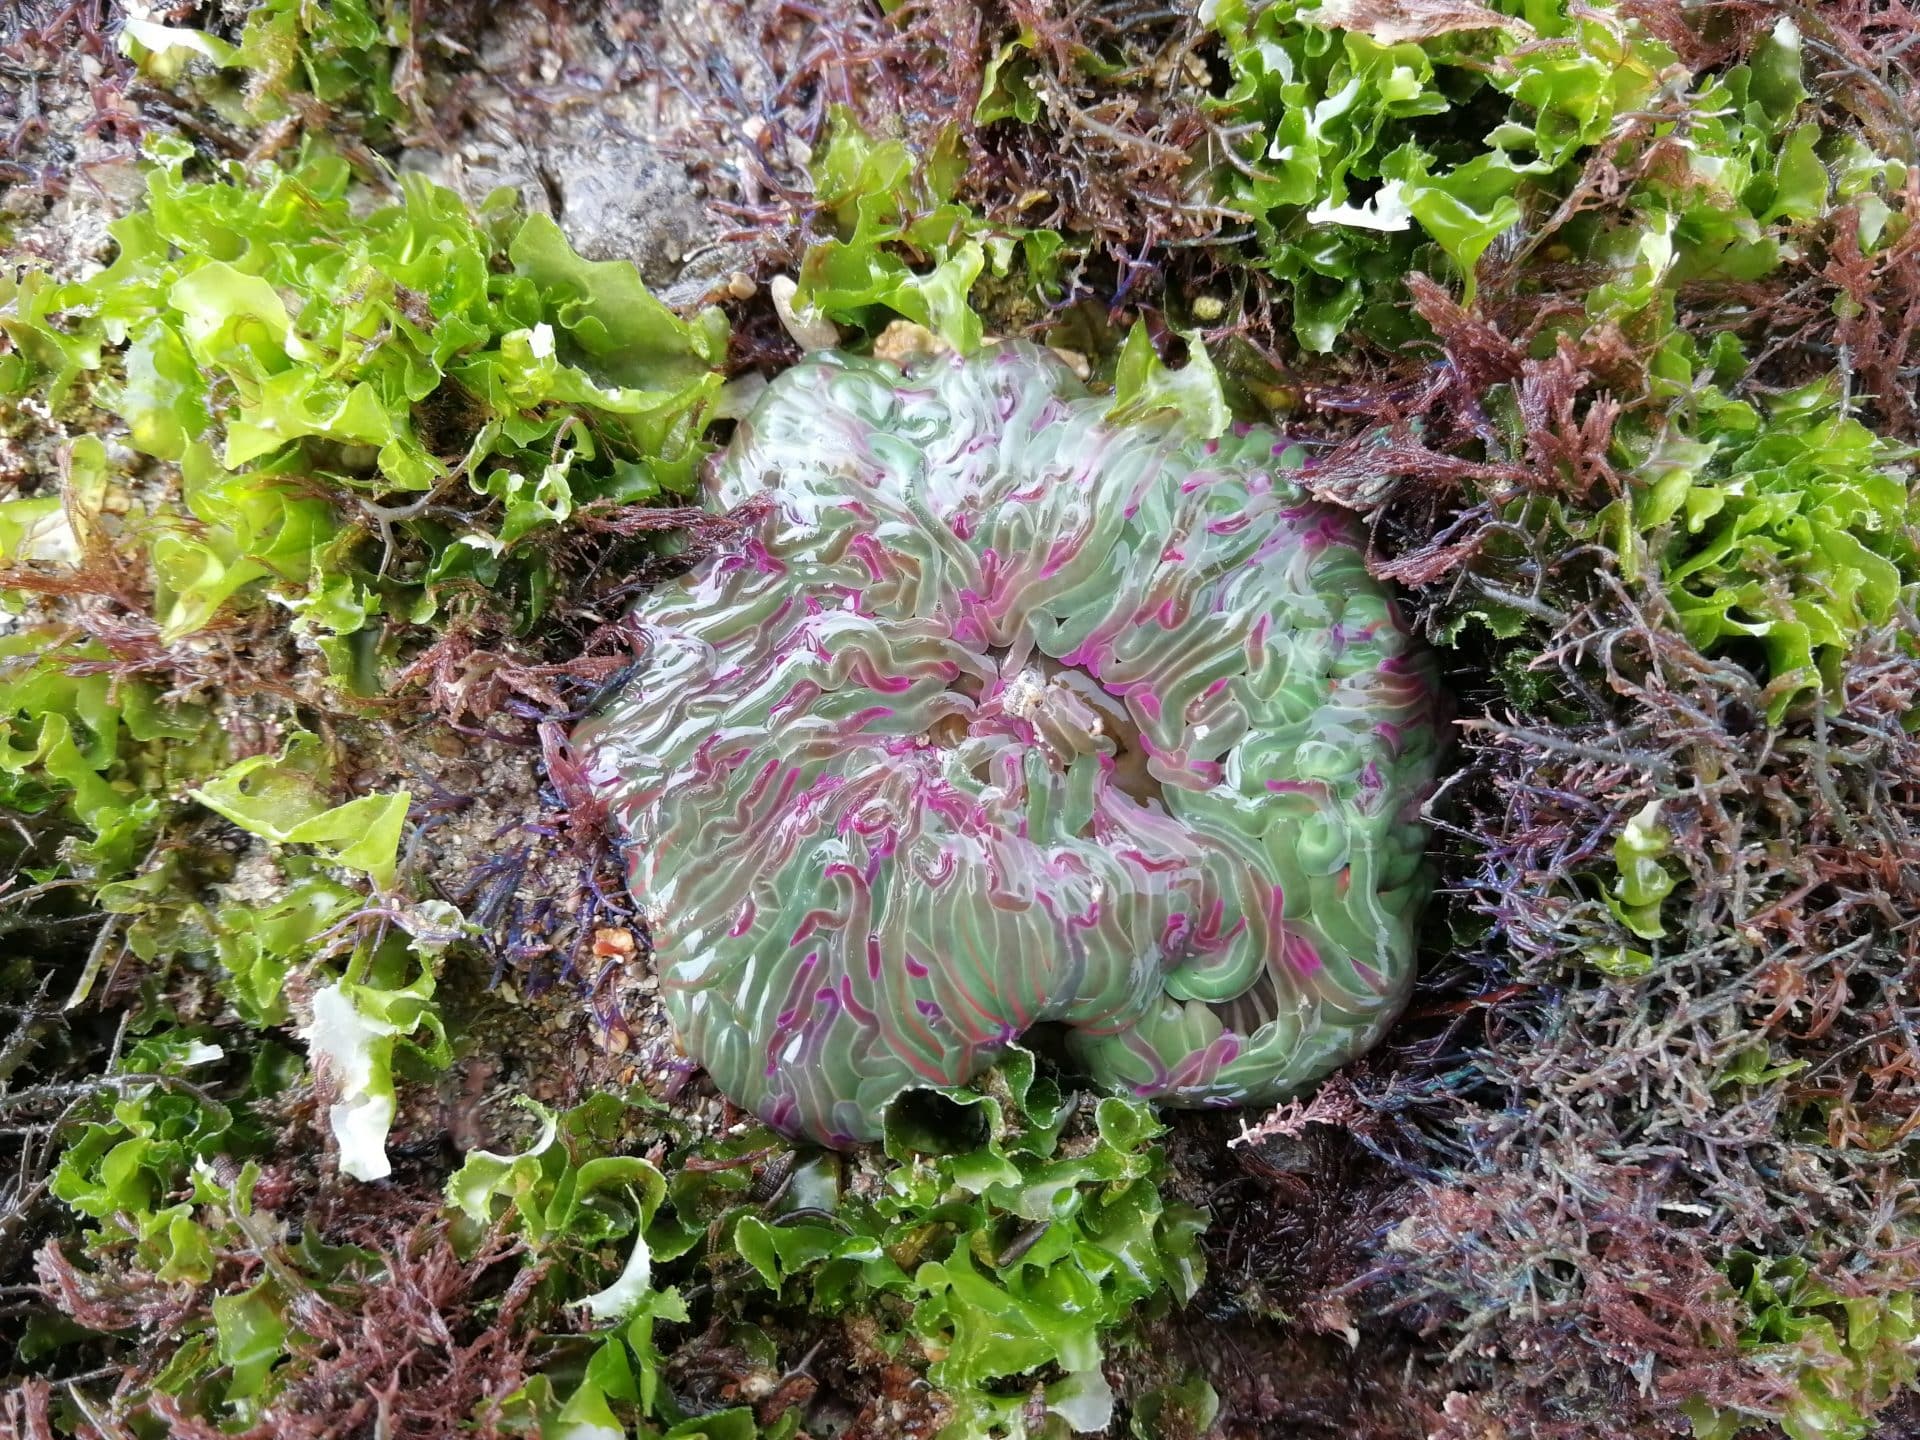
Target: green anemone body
(1001, 714)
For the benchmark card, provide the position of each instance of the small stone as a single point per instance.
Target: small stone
(809, 328)
(613, 944)
(904, 341)
(1074, 361)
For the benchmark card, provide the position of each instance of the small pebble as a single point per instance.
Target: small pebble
(608, 944)
(904, 340)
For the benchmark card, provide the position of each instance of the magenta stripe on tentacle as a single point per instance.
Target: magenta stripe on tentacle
(1030, 718)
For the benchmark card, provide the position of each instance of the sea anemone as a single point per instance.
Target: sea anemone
(1000, 714)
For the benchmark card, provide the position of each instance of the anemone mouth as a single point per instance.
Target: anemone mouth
(1065, 708)
(1253, 1008)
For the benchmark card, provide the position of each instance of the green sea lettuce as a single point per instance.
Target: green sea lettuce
(321, 374)
(1781, 524)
